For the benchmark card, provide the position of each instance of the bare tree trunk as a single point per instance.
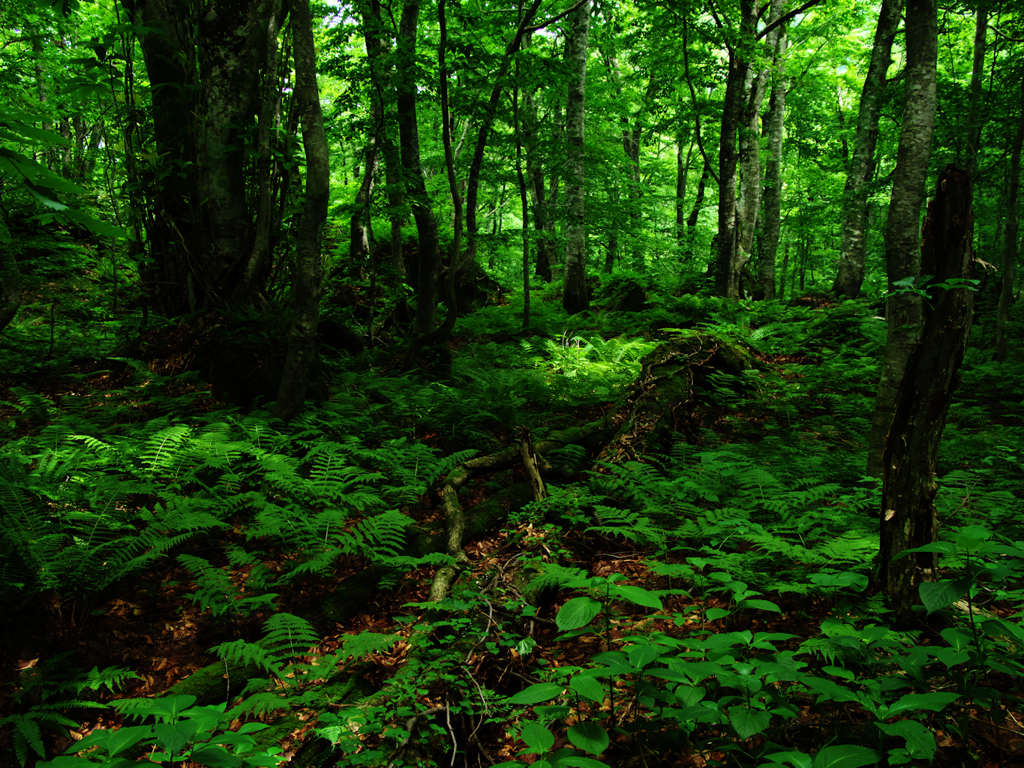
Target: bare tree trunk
(574, 293)
(908, 518)
(1010, 236)
(749, 203)
(259, 256)
(902, 232)
(773, 172)
(428, 263)
(307, 287)
(486, 122)
(977, 78)
(855, 196)
(535, 179)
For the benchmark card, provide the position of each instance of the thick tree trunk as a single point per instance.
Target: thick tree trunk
(902, 232)
(574, 293)
(1010, 236)
(773, 173)
(855, 196)
(908, 518)
(231, 38)
(307, 286)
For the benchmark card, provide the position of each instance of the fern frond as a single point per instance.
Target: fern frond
(242, 652)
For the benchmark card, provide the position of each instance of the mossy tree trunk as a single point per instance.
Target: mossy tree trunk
(908, 517)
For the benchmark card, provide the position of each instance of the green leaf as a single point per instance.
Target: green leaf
(588, 688)
(589, 737)
(934, 701)
(939, 594)
(749, 722)
(717, 613)
(538, 738)
(761, 605)
(846, 756)
(123, 738)
(577, 613)
(638, 596)
(642, 655)
(537, 693)
(920, 741)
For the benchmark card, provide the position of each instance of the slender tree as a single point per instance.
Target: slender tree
(307, 285)
(850, 275)
(903, 228)
(574, 293)
(1010, 234)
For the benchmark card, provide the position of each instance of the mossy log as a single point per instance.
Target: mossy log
(669, 394)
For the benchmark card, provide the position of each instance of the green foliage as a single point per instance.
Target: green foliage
(46, 693)
(181, 732)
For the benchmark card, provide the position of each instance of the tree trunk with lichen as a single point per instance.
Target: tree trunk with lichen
(908, 517)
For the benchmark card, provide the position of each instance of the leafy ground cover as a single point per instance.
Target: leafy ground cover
(191, 581)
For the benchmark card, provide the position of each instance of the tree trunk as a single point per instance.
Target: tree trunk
(307, 286)
(1010, 236)
(902, 231)
(977, 78)
(682, 172)
(728, 261)
(260, 254)
(855, 196)
(773, 173)
(535, 179)
(574, 292)
(426, 270)
(908, 518)
(749, 203)
(486, 122)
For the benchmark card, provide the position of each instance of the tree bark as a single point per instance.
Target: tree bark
(773, 172)
(1010, 236)
(902, 232)
(307, 286)
(574, 293)
(855, 195)
(535, 179)
(749, 203)
(728, 261)
(427, 268)
(260, 254)
(908, 517)
(486, 122)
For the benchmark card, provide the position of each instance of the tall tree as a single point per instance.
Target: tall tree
(204, 66)
(574, 293)
(903, 228)
(1010, 233)
(855, 196)
(307, 285)
(773, 172)
(425, 270)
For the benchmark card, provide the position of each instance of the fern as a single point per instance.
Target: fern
(286, 636)
(628, 525)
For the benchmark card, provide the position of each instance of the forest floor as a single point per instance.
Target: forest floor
(694, 587)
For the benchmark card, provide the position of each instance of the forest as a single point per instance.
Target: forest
(543, 383)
